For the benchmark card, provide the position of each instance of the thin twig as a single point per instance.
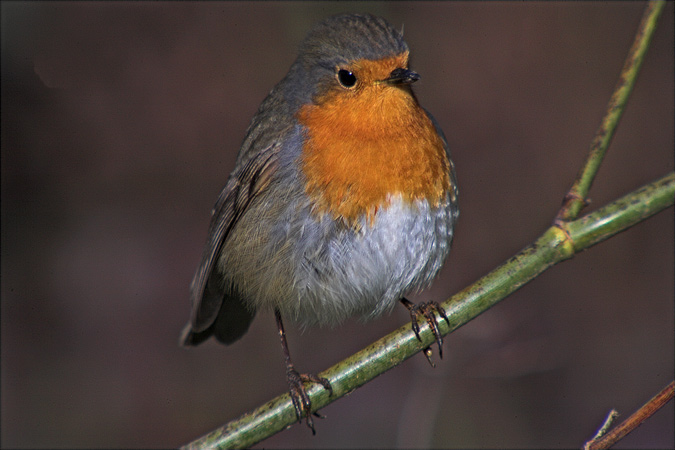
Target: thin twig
(575, 200)
(628, 425)
(609, 420)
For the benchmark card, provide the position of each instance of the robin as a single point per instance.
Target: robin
(343, 198)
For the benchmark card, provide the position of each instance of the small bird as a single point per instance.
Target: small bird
(343, 198)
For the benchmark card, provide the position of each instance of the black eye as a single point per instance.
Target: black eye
(346, 78)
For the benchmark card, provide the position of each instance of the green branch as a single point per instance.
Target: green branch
(575, 200)
(557, 244)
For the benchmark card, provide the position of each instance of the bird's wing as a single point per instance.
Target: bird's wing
(242, 187)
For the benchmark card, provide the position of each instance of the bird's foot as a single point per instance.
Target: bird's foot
(299, 395)
(428, 310)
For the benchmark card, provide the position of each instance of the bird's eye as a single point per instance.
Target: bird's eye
(346, 78)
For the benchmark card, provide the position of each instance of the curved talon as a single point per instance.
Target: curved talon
(297, 391)
(299, 396)
(427, 309)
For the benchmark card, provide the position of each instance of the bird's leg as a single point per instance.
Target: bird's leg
(427, 309)
(299, 396)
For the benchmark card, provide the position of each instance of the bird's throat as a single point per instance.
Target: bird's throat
(362, 147)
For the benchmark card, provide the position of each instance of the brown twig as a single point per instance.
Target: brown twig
(619, 432)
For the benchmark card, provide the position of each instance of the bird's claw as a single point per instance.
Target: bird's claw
(299, 396)
(428, 310)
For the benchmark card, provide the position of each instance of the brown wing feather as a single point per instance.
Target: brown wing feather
(243, 186)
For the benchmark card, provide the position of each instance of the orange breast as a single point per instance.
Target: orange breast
(366, 144)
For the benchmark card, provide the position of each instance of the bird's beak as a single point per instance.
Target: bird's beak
(402, 76)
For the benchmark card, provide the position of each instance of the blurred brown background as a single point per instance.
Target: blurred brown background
(120, 124)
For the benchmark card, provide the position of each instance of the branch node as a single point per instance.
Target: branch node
(561, 224)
